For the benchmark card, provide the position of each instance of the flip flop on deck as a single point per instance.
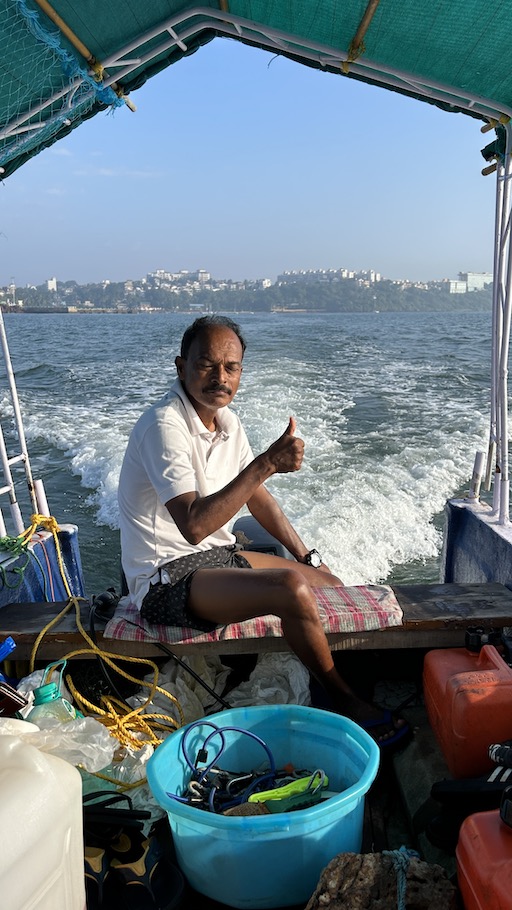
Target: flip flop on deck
(400, 737)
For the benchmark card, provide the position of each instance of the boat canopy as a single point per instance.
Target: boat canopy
(62, 62)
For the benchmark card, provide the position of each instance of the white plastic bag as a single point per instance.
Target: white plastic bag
(83, 741)
(129, 765)
(127, 768)
(194, 700)
(277, 679)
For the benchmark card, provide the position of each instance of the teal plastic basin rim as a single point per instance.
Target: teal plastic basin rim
(345, 800)
(352, 794)
(276, 822)
(294, 716)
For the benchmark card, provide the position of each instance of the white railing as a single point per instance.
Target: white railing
(7, 461)
(497, 456)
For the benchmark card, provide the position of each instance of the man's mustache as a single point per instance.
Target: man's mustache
(218, 387)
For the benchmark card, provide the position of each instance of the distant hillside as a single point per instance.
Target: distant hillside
(346, 297)
(338, 296)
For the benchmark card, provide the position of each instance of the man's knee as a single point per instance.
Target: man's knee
(297, 594)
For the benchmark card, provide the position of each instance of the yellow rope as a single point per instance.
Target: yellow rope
(122, 786)
(49, 523)
(112, 720)
(121, 725)
(46, 521)
(43, 632)
(109, 659)
(121, 721)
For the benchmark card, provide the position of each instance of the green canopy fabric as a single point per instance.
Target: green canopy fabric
(63, 63)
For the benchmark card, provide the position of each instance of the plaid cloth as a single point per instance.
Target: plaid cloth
(351, 609)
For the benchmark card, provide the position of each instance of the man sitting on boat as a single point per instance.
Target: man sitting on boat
(187, 471)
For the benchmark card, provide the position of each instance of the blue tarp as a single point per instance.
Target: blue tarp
(36, 576)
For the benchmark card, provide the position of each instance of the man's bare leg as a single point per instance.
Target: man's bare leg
(233, 595)
(317, 578)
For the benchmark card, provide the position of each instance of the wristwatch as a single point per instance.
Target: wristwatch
(312, 558)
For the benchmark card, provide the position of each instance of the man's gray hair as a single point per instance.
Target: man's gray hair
(202, 324)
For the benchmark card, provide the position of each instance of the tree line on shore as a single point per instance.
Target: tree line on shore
(347, 296)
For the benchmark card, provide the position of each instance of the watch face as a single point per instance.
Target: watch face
(314, 559)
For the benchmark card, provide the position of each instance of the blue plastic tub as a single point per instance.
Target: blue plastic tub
(272, 860)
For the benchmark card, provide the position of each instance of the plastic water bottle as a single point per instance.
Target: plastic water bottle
(48, 700)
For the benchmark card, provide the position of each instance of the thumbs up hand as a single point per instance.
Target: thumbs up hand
(287, 452)
(291, 428)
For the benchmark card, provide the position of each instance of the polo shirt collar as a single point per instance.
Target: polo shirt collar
(197, 428)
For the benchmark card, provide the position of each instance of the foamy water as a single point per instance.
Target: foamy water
(392, 408)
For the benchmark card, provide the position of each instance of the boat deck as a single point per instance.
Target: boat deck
(385, 666)
(398, 805)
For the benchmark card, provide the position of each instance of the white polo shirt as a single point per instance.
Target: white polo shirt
(170, 452)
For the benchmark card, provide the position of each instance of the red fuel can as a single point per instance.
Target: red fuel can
(468, 698)
(484, 862)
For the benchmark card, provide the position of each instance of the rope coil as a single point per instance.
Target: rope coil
(124, 726)
(132, 727)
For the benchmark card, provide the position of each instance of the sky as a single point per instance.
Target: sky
(247, 164)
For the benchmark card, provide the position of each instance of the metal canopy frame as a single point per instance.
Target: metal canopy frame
(498, 455)
(228, 25)
(179, 29)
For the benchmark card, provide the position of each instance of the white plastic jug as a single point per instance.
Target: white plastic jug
(42, 857)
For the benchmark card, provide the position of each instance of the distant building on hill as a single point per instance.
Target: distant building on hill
(470, 281)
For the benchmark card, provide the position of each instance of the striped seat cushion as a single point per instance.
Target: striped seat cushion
(344, 609)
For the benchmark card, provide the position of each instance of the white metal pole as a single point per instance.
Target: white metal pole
(9, 485)
(16, 518)
(42, 504)
(503, 362)
(17, 412)
(500, 233)
(476, 480)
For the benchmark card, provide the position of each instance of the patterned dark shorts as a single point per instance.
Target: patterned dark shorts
(167, 604)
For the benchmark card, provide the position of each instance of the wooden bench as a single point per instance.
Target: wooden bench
(434, 616)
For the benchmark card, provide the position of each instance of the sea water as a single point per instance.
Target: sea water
(392, 408)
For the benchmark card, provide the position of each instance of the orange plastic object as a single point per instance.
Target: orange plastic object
(484, 862)
(468, 699)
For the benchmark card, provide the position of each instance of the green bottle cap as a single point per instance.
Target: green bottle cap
(44, 694)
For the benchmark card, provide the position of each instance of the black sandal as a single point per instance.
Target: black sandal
(149, 882)
(104, 823)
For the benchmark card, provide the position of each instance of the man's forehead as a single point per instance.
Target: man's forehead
(215, 338)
